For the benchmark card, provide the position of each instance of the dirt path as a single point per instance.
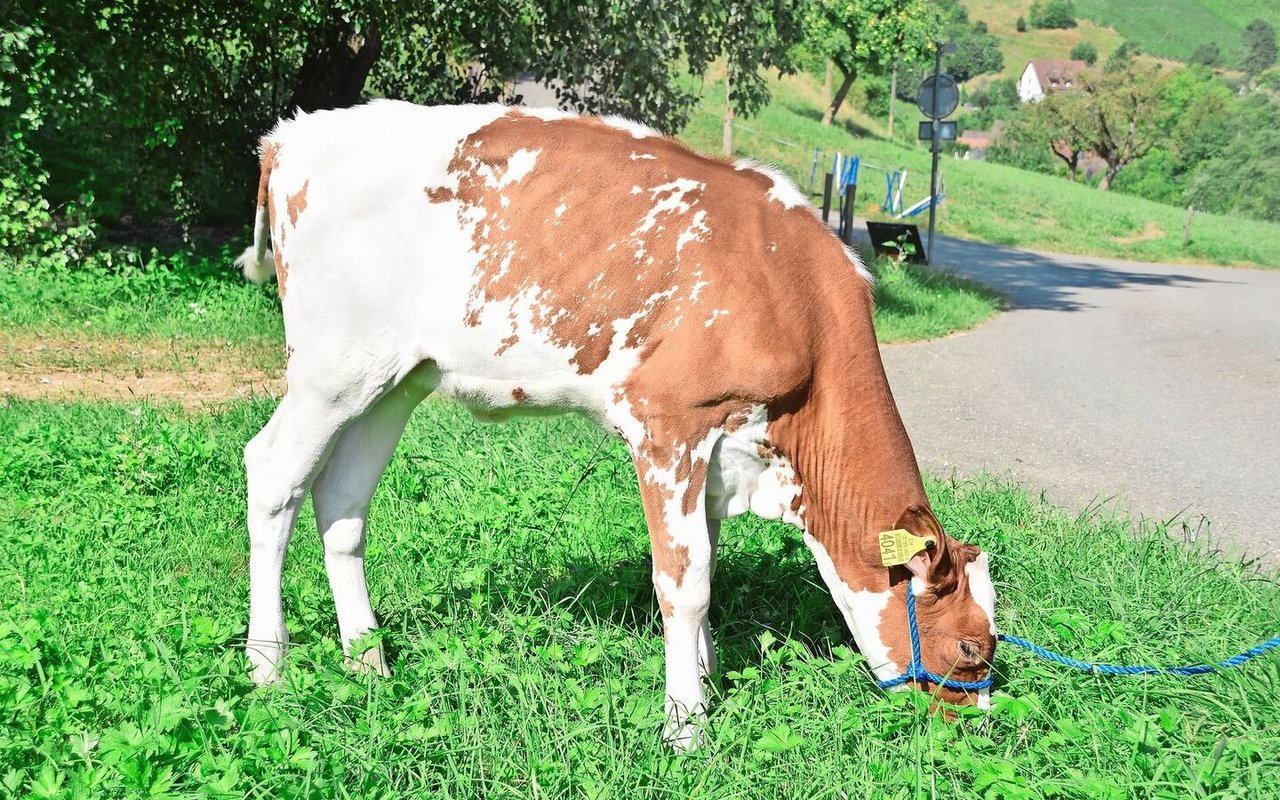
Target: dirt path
(1155, 385)
(61, 367)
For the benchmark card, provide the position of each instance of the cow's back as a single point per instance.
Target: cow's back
(537, 257)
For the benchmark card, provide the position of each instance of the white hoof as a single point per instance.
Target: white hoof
(265, 660)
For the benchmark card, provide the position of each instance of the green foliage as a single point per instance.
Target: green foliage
(508, 565)
(1208, 54)
(167, 132)
(1259, 40)
(977, 53)
(1020, 25)
(1086, 52)
(868, 36)
(1154, 176)
(1053, 14)
(1241, 180)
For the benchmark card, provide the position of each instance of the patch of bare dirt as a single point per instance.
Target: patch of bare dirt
(1149, 233)
(192, 373)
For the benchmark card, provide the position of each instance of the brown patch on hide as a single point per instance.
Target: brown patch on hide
(672, 561)
(519, 395)
(296, 203)
(268, 159)
(632, 240)
(439, 194)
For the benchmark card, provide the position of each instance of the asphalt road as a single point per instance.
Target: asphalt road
(1153, 387)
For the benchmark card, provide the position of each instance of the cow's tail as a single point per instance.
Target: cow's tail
(254, 262)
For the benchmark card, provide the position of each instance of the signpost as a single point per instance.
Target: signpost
(938, 97)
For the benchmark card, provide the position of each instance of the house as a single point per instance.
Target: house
(1044, 76)
(977, 142)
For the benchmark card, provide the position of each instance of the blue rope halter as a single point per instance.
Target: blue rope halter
(917, 672)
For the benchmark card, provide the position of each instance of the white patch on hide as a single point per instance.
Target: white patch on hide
(783, 190)
(862, 611)
(981, 587)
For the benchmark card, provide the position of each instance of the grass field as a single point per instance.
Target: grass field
(509, 568)
(1170, 29)
(1175, 28)
(988, 202)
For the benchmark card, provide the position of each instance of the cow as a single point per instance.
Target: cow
(527, 261)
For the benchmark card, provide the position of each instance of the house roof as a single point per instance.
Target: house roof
(1056, 75)
(976, 138)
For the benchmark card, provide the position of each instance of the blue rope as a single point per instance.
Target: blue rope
(1116, 669)
(917, 672)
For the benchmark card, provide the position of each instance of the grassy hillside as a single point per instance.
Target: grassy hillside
(1001, 17)
(990, 202)
(1167, 28)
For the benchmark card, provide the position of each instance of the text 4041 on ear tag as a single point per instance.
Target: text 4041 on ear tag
(898, 546)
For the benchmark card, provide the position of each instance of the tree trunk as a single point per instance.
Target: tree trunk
(1109, 176)
(726, 144)
(893, 96)
(335, 67)
(849, 77)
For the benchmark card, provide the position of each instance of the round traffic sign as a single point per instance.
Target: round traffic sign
(946, 99)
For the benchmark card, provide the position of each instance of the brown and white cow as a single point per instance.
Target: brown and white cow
(532, 261)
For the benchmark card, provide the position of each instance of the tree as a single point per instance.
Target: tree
(148, 106)
(1086, 52)
(1021, 25)
(868, 35)
(1259, 46)
(1121, 116)
(1242, 180)
(977, 53)
(1063, 119)
(1122, 57)
(1053, 14)
(1208, 54)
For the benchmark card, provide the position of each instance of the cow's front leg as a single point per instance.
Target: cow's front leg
(682, 565)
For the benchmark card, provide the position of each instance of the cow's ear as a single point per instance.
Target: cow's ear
(921, 522)
(920, 563)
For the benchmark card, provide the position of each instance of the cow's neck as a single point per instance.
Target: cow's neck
(849, 446)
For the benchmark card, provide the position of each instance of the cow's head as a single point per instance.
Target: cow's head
(955, 611)
(955, 606)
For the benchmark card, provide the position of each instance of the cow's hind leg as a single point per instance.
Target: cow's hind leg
(280, 463)
(706, 647)
(341, 496)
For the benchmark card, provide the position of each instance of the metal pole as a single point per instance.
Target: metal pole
(933, 177)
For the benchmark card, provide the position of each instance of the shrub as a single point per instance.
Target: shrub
(1021, 25)
(1053, 14)
(1086, 52)
(1208, 54)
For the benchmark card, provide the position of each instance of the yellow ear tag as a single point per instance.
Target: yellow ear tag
(898, 546)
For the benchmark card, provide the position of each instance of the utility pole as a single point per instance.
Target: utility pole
(933, 177)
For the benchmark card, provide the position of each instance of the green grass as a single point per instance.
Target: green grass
(1174, 28)
(989, 202)
(914, 302)
(508, 566)
(188, 293)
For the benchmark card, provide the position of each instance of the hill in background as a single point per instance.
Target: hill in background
(1169, 29)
